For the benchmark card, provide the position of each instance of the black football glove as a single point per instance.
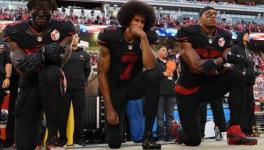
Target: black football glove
(51, 53)
(235, 59)
(29, 63)
(209, 65)
(220, 67)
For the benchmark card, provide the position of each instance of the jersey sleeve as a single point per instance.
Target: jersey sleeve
(87, 66)
(152, 37)
(7, 56)
(5, 52)
(68, 28)
(10, 34)
(104, 37)
(183, 35)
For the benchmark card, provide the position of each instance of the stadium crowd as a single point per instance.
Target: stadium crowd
(252, 3)
(165, 20)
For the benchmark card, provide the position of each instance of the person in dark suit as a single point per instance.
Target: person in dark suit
(167, 98)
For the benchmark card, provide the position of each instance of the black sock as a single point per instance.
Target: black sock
(149, 121)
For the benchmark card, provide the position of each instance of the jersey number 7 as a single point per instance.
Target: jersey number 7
(129, 60)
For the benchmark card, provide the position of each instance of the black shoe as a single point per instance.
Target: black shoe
(62, 141)
(7, 144)
(79, 142)
(177, 133)
(53, 143)
(158, 138)
(168, 138)
(52, 140)
(1, 143)
(114, 146)
(150, 145)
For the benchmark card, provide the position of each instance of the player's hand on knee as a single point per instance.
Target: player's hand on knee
(53, 48)
(52, 52)
(235, 59)
(29, 63)
(112, 117)
(209, 65)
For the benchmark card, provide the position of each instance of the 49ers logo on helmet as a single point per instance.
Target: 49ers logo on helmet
(221, 42)
(55, 35)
